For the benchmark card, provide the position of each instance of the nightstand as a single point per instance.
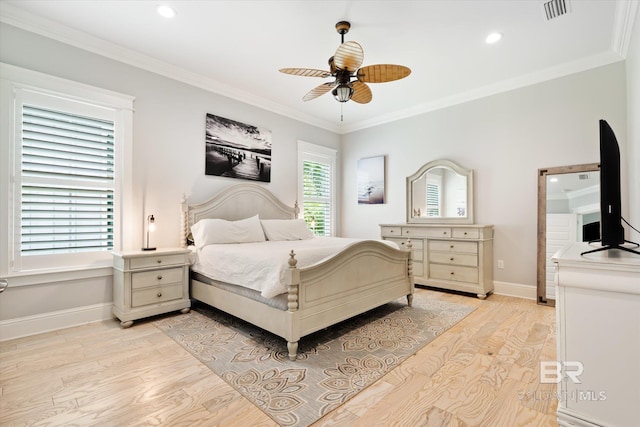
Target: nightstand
(146, 283)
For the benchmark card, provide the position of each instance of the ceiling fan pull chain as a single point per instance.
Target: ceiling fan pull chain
(341, 111)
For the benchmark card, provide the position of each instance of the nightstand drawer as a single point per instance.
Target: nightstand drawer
(156, 277)
(155, 295)
(156, 261)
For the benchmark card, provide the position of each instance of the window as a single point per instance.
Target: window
(434, 197)
(65, 178)
(67, 182)
(316, 181)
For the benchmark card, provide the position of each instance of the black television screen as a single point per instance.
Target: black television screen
(611, 233)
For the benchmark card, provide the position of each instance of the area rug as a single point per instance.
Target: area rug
(333, 365)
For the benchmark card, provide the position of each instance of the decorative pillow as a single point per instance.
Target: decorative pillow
(286, 229)
(214, 231)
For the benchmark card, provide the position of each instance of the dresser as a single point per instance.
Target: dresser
(146, 283)
(598, 337)
(457, 257)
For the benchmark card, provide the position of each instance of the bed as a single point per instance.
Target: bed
(364, 274)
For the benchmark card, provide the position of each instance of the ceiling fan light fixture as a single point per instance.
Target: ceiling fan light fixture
(343, 92)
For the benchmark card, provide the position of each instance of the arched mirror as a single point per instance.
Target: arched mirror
(440, 192)
(568, 211)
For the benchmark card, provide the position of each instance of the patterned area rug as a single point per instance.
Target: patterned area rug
(333, 365)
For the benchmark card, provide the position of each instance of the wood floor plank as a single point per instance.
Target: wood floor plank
(482, 371)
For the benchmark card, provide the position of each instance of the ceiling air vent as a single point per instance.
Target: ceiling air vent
(555, 8)
(583, 176)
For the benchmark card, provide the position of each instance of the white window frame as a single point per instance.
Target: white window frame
(17, 85)
(321, 154)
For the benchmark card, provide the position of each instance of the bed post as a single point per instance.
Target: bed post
(293, 283)
(184, 221)
(410, 271)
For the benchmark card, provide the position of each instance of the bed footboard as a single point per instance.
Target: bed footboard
(363, 276)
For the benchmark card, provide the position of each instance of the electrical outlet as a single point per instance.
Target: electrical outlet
(500, 264)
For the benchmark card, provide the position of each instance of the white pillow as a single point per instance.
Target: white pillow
(213, 231)
(286, 229)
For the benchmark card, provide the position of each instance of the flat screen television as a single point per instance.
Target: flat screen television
(611, 230)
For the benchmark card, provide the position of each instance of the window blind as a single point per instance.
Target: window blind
(67, 187)
(433, 200)
(316, 192)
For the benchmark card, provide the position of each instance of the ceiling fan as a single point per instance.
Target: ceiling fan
(350, 80)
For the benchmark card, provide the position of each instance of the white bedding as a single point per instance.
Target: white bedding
(261, 266)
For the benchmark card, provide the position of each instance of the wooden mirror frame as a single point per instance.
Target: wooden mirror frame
(468, 173)
(541, 297)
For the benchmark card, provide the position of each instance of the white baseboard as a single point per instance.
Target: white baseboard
(32, 325)
(514, 290)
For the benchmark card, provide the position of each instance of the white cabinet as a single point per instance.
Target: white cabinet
(146, 283)
(598, 329)
(457, 257)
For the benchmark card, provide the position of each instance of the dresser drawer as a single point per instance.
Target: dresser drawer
(453, 246)
(426, 232)
(391, 231)
(417, 244)
(466, 233)
(454, 258)
(156, 261)
(157, 294)
(165, 276)
(455, 273)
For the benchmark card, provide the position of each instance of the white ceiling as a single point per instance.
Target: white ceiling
(235, 48)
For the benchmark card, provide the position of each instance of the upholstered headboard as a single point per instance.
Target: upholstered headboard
(237, 202)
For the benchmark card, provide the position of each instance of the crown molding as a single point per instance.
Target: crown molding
(17, 17)
(626, 12)
(540, 76)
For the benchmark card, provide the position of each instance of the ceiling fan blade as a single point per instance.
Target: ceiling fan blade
(361, 93)
(318, 90)
(349, 56)
(381, 73)
(305, 72)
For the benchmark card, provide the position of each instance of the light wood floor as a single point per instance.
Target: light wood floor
(482, 372)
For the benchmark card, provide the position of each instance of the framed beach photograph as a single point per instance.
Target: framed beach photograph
(237, 150)
(371, 172)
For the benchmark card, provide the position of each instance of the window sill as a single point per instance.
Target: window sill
(40, 277)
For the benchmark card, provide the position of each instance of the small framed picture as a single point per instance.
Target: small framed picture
(371, 180)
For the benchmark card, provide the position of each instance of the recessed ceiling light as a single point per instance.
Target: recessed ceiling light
(165, 11)
(493, 38)
(553, 179)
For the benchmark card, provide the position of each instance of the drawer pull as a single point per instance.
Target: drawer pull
(465, 233)
(452, 273)
(159, 261)
(444, 233)
(451, 247)
(450, 259)
(390, 231)
(160, 293)
(159, 277)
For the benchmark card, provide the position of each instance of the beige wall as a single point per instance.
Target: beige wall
(505, 138)
(168, 153)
